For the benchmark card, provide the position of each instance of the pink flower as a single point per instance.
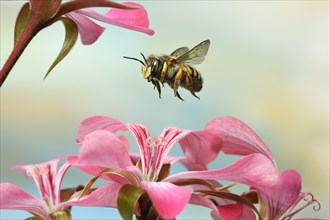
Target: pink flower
(89, 31)
(101, 148)
(75, 15)
(52, 202)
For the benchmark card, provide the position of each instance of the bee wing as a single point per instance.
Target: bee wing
(196, 55)
(180, 51)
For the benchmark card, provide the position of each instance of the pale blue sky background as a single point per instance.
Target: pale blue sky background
(268, 65)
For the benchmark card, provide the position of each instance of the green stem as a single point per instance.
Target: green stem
(31, 29)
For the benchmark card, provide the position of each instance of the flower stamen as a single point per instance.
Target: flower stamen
(310, 199)
(37, 170)
(154, 143)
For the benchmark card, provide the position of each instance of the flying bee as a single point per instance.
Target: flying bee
(175, 69)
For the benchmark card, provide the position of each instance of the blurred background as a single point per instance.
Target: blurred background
(268, 65)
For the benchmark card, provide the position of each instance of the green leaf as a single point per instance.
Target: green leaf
(71, 35)
(127, 200)
(21, 21)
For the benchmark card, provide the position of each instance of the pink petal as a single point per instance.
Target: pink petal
(136, 20)
(193, 166)
(95, 170)
(231, 211)
(89, 31)
(196, 199)
(200, 147)
(255, 170)
(13, 197)
(140, 132)
(168, 199)
(237, 137)
(103, 196)
(281, 195)
(103, 149)
(100, 123)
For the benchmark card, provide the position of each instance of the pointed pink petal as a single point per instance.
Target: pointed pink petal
(103, 196)
(52, 165)
(44, 176)
(168, 199)
(103, 149)
(58, 181)
(281, 195)
(255, 170)
(89, 31)
(237, 137)
(136, 20)
(13, 197)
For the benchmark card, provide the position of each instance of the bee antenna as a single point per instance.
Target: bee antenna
(144, 57)
(132, 58)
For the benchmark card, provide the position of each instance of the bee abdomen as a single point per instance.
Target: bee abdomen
(194, 81)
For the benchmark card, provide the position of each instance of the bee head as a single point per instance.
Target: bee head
(146, 67)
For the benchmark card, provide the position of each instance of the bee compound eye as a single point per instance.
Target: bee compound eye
(154, 66)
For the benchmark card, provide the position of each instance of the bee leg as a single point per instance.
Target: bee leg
(194, 94)
(178, 95)
(158, 89)
(175, 88)
(156, 85)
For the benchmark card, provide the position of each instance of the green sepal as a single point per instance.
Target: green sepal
(60, 215)
(186, 182)
(21, 21)
(71, 36)
(127, 200)
(34, 218)
(164, 172)
(147, 210)
(233, 197)
(66, 194)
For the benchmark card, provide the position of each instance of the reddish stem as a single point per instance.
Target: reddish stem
(31, 29)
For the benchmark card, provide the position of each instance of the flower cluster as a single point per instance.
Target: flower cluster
(141, 184)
